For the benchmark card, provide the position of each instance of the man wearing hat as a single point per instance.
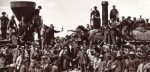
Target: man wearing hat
(141, 66)
(16, 52)
(130, 23)
(95, 18)
(2, 62)
(31, 67)
(37, 11)
(50, 33)
(96, 61)
(147, 24)
(83, 58)
(118, 65)
(102, 64)
(114, 14)
(24, 66)
(12, 26)
(131, 62)
(4, 21)
(19, 61)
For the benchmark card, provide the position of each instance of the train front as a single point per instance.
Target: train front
(140, 33)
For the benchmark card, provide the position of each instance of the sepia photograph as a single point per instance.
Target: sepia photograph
(74, 36)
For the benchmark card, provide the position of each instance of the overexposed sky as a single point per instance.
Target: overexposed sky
(71, 13)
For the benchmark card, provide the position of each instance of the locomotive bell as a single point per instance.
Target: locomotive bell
(23, 9)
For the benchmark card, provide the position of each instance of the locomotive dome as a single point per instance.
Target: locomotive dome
(140, 20)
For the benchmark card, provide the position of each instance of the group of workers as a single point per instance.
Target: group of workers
(42, 52)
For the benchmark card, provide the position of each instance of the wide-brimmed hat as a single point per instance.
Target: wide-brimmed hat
(12, 65)
(140, 55)
(44, 57)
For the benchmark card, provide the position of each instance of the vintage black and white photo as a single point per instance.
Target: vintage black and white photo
(74, 36)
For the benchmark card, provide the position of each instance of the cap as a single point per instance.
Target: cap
(44, 57)
(131, 53)
(138, 49)
(40, 7)
(22, 46)
(101, 56)
(12, 65)
(127, 43)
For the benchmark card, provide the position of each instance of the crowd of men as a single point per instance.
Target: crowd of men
(46, 53)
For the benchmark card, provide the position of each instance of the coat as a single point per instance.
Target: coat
(140, 68)
(102, 66)
(84, 59)
(130, 65)
(23, 68)
(31, 69)
(16, 53)
(55, 68)
(39, 69)
(2, 62)
(119, 66)
(19, 61)
(66, 59)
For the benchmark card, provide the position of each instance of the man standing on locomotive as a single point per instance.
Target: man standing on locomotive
(36, 19)
(95, 18)
(50, 34)
(4, 21)
(12, 26)
(114, 14)
(23, 28)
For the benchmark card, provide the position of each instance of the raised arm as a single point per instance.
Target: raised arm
(56, 31)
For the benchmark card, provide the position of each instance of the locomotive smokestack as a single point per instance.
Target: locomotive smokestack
(23, 8)
(104, 13)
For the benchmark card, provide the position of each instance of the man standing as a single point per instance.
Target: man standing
(24, 66)
(42, 36)
(102, 64)
(84, 61)
(131, 63)
(23, 28)
(12, 26)
(95, 18)
(16, 52)
(147, 24)
(50, 33)
(4, 21)
(114, 14)
(2, 62)
(130, 24)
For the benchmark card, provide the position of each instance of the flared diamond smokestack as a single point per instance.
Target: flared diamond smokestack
(23, 8)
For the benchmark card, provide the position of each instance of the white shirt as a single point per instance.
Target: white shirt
(18, 61)
(36, 36)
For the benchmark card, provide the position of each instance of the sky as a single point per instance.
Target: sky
(71, 13)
